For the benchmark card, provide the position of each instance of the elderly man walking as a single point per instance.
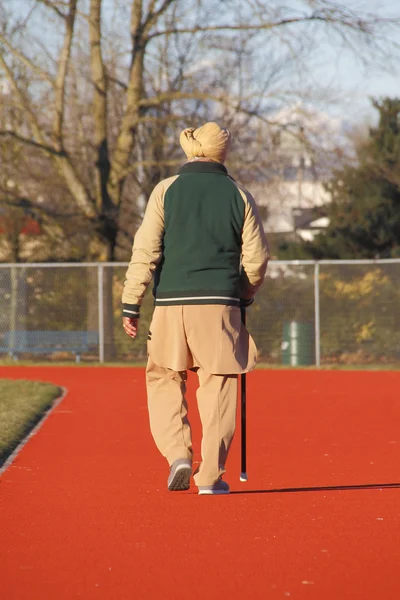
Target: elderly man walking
(203, 243)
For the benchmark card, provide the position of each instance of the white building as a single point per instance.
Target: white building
(293, 197)
(292, 206)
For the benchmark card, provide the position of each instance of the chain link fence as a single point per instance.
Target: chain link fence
(327, 312)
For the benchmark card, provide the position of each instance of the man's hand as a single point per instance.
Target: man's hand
(130, 325)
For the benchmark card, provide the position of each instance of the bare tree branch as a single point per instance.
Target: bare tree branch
(29, 142)
(23, 102)
(153, 101)
(26, 61)
(59, 95)
(117, 82)
(345, 19)
(232, 27)
(54, 6)
(153, 16)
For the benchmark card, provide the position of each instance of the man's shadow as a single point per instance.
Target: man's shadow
(328, 488)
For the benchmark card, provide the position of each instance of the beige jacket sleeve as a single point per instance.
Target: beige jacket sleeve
(255, 251)
(146, 251)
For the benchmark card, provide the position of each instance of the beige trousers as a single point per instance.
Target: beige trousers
(212, 341)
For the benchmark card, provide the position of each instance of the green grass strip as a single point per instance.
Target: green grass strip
(22, 404)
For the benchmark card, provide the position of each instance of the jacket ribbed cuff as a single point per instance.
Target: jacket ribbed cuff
(132, 311)
(246, 303)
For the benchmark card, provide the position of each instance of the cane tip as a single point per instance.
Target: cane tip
(243, 477)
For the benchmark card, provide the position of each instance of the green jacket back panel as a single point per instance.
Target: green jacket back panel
(199, 227)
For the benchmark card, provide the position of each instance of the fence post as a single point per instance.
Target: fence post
(100, 297)
(317, 316)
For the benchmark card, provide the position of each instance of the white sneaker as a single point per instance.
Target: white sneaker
(179, 475)
(218, 488)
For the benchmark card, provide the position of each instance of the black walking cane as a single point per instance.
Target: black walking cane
(243, 470)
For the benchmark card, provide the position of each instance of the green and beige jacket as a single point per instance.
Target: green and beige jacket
(201, 240)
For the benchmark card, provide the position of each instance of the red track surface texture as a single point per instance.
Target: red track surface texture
(85, 512)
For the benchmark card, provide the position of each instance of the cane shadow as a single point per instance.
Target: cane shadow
(326, 488)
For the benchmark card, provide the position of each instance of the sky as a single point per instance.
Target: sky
(333, 68)
(358, 83)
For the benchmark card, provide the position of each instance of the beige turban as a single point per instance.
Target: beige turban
(208, 141)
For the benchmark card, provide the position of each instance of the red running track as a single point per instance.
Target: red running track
(85, 512)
